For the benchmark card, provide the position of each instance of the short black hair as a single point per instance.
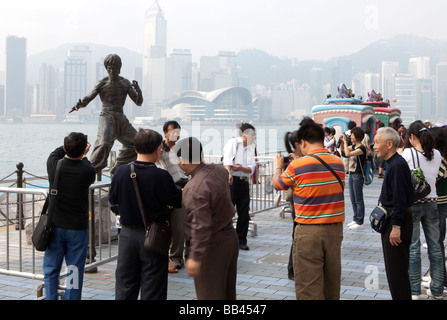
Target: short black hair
(146, 141)
(190, 149)
(175, 125)
(358, 133)
(351, 125)
(75, 144)
(246, 126)
(310, 131)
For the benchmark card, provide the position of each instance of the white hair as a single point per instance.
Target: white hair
(389, 133)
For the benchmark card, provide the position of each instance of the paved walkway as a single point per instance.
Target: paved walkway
(262, 271)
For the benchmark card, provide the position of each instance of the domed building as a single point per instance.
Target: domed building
(226, 104)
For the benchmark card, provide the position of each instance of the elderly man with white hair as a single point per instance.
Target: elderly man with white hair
(396, 196)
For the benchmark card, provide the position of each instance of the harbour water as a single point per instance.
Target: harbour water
(31, 143)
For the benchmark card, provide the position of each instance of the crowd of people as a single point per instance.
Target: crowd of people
(199, 201)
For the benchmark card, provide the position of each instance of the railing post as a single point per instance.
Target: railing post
(19, 215)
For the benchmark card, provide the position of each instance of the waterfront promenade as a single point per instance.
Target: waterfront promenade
(262, 271)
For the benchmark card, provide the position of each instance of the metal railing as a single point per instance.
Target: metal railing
(19, 205)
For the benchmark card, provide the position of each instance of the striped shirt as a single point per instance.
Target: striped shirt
(317, 194)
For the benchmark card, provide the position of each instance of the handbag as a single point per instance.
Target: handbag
(379, 218)
(421, 187)
(158, 234)
(43, 232)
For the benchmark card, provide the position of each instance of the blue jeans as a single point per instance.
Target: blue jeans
(71, 245)
(442, 208)
(427, 215)
(356, 195)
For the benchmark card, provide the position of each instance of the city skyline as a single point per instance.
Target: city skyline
(164, 74)
(283, 28)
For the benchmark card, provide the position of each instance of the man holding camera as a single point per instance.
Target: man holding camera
(319, 214)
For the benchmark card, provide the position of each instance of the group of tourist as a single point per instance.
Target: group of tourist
(199, 202)
(399, 150)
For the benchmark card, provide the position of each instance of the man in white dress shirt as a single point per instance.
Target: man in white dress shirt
(239, 160)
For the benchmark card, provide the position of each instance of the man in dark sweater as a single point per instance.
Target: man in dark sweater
(70, 218)
(397, 193)
(137, 267)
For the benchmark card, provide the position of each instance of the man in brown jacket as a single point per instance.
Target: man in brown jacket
(214, 245)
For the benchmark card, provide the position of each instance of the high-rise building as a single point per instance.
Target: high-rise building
(316, 85)
(441, 91)
(179, 72)
(85, 53)
(405, 89)
(15, 88)
(155, 47)
(390, 69)
(217, 72)
(47, 96)
(341, 73)
(419, 67)
(424, 99)
(75, 81)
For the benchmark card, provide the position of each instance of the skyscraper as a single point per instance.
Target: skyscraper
(15, 89)
(75, 80)
(441, 91)
(405, 85)
(390, 69)
(47, 90)
(155, 46)
(419, 67)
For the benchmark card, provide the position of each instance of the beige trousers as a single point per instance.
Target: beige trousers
(317, 261)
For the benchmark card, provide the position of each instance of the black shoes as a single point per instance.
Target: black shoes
(243, 247)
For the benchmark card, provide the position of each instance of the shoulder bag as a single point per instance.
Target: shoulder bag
(158, 234)
(379, 218)
(43, 232)
(329, 168)
(421, 186)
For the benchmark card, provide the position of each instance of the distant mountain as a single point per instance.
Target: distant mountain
(399, 48)
(263, 68)
(57, 57)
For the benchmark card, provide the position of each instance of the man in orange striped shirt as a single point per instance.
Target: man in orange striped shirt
(320, 212)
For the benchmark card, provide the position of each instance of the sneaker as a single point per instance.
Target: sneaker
(355, 226)
(425, 284)
(430, 295)
(351, 223)
(415, 297)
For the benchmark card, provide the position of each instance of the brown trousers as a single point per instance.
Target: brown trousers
(217, 279)
(317, 261)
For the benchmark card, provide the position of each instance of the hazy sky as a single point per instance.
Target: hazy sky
(286, 28)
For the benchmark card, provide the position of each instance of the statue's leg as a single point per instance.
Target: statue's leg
(126, 134)
(104, 141)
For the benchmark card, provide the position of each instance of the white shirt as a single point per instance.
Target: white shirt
(235, 153)
(429, 168)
